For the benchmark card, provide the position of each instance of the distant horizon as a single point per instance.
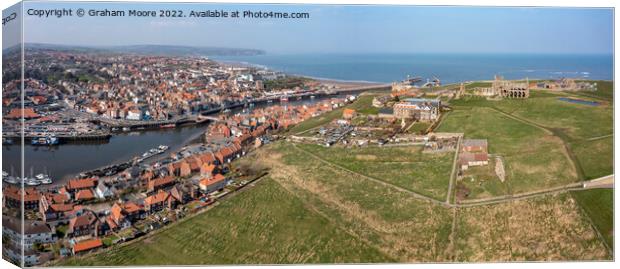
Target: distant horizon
(266, 52)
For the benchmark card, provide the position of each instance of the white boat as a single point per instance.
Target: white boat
(10, 179)
(5, 174)
(32, 182)
(163, 147)
(46, 180)
(43, 179)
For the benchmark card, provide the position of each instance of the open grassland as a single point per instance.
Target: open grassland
(478, 84)
(549, 228)
(406, 167)
(418, 127)
(363, 104)
(533, 158)
(576, 124)
(595, 156)
(598, 204)
(265, 224)
(403, 227)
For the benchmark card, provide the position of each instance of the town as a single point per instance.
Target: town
(77, 96)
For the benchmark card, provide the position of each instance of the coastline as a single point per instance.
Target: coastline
(333, 81)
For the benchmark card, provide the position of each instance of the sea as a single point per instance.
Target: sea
(449, 68)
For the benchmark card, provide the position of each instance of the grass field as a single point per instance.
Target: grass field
(575, 124)
(549, 228)
(596, 156)
(406, 167)
(265, 224)
(598, 204)
(403, 227)
(418, 127)
(363, 104)
(533, 158)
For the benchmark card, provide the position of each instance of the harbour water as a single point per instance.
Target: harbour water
(65, 161)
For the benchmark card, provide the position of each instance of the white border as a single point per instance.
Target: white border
(520, 3)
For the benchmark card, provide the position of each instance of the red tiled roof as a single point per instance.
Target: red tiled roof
(131, 207)
(84, 195)
(214, 180)
(30, 195)
(159, 197)
(16, 113)
(160, 182)
(61, 207)
(87, 245)
(81, 183)
(116, 212)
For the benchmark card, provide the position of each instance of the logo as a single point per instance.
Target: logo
(9, 18)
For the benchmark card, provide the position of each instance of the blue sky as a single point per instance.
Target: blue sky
(340, 29)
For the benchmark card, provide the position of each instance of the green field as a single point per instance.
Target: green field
(575, 124)
(265, 224)
(419, 127)
(549, 228)
(406, 167)
(404, 227)
(533, 158)
(363, 104)
(598, 204)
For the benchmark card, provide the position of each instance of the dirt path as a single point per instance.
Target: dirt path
(453, 173)
(599, 137)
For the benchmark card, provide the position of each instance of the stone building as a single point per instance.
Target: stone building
(501, 88)
(474, 152)
(510, 89)
(418, 109)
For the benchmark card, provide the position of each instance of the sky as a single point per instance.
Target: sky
(338, 29)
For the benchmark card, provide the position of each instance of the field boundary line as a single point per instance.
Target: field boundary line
(522, 196)
(414, 194)
(591, 222)
(599, 137)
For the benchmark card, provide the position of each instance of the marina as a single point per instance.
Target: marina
(101, 157)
